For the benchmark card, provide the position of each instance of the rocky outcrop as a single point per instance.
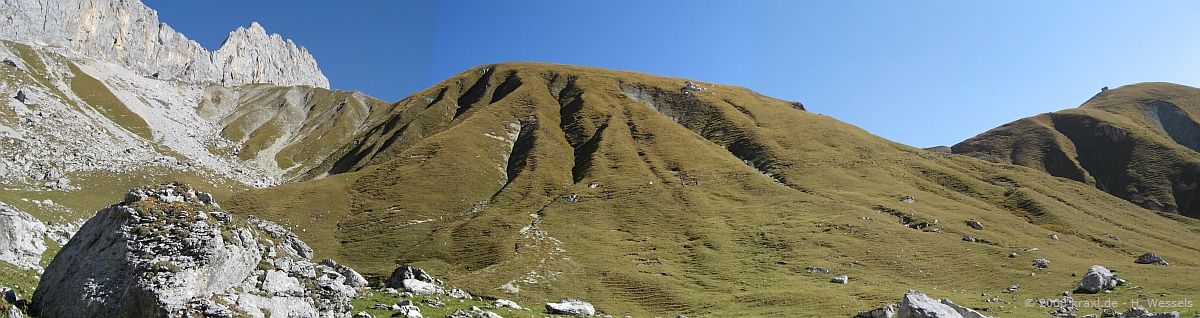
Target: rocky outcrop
(169, 251)
(1097, 279)
(917, 305)
(129, 33)
(21, 238)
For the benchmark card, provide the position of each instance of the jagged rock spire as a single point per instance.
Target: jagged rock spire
(129, 33)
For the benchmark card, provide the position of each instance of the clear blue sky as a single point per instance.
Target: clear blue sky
(922, 73)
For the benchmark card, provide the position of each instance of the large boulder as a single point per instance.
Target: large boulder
(164, 252)
(917, 305)
(571, 307)
(21, 238)
(1097, 279)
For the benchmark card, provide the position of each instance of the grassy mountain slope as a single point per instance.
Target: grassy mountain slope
(1137, 142)
(288, 130)
(646, 196)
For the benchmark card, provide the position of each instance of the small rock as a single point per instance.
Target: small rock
(1139, 312)
(908, 199)
(459, 294)
(1012, 289)
(1054, 237)
(818, 270)
(487, 314)
(1012, 255)
(433, 302)
(840, 279)
(1041, 263)
(1151, 258)
(408, 312)
(571, 307)
(363, 314)
(975, 224)
(969, 238)
(349, 275)
(460, 314)
(205, 198)
(22, 97)
(504, 303)
(14, 312)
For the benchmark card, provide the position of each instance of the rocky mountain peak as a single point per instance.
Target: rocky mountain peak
(130, 34)
(251, 55)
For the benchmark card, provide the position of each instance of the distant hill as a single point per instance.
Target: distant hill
(1138, 142)
(649, 195)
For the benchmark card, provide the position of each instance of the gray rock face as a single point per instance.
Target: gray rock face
(250, 55)
(1097, 279)
(1151, 258)
(21, 238)
(164, 253)
(917, 305)
(571, 307)
(409, 272)
(129, 33)
(352, 277)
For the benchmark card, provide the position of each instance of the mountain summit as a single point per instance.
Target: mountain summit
(1138, 142)
(129, 33)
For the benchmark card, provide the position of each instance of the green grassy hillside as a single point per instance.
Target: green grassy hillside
(1137, 142)
(288, 129)
(648, 197)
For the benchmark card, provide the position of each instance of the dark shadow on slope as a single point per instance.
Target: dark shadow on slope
(584, 143)
(1105, 151)
(519, 157)
(475, 93)
(711, 123)
(510, 84)
(1175, 123)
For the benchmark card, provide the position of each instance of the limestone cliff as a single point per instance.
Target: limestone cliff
(130, 33)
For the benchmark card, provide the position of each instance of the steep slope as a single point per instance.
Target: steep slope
(288, 131)
(650, 195)
(129, 33)
(1138, 142)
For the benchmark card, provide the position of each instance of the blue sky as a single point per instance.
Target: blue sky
(922, 73)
